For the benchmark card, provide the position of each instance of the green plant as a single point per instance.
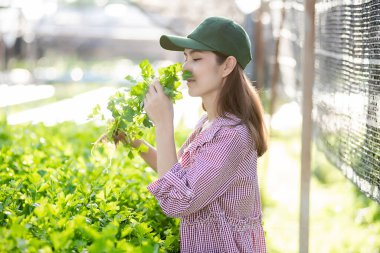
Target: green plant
(128, 117)
(55, 196)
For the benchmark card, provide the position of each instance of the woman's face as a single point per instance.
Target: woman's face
(207, 74)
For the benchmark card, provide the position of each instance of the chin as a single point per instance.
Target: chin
(192, 94)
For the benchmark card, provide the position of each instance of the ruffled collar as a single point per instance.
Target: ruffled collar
(208, 134)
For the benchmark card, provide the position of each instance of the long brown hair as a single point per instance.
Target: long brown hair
(239, 97)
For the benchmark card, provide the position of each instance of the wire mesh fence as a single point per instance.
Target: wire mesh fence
(347, 82)
(347, 89)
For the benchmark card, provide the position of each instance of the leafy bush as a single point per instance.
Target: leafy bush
(57, 196)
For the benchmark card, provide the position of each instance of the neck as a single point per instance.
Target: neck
(210, 104)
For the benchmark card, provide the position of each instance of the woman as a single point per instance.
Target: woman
(211, 185)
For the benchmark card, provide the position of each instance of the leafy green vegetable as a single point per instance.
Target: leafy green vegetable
(56, 197)
(187, 75)
(129, 120)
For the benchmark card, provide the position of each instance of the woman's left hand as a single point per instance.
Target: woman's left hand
(157, 105)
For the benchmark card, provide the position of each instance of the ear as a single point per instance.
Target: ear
(229, 65)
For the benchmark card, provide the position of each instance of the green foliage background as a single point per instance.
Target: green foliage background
(56, 196)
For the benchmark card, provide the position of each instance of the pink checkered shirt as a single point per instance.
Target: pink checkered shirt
(214, 190)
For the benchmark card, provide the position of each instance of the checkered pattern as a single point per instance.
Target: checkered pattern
(214, 190)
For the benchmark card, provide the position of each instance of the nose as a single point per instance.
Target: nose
(185, 66)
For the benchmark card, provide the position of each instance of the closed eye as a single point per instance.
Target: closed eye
(197, 59)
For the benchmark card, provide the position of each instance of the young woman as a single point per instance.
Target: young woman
(211, 184)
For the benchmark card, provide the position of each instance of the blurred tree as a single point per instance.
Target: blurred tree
(171, 13)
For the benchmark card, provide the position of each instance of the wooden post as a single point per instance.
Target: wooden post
(259, 50)
(2, 54)
(276, 67)
(307, 122)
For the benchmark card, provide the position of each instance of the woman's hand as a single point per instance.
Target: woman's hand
(160, 110)
(157, 105)
(149, 155)
(120, 136)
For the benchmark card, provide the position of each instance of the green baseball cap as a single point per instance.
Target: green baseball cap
(214, 34)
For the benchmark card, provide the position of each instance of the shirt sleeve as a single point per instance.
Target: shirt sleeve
(182, 191)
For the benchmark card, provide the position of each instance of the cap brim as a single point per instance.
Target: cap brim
(177, 43)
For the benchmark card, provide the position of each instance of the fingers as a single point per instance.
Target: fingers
(154, 89)
(149, 94)
(145, 102)
(157, 86)
(151, 91)
(119, 136)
